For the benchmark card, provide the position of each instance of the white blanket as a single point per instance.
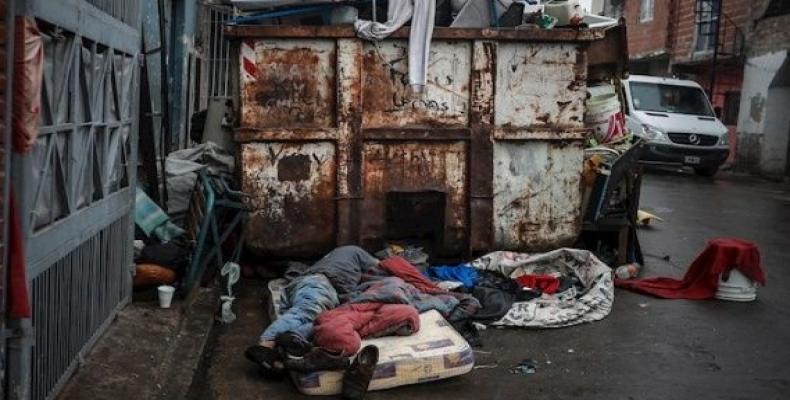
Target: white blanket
(592, 303)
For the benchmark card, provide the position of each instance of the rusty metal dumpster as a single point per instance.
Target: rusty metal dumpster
(336, 150)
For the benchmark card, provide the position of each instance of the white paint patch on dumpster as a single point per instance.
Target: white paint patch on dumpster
(537, 195)
(536, 85)
(287, 179)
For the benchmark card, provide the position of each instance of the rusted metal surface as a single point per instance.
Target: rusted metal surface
(481, 118)
(294, 187)
(608, 58)
(537, 195)
(293, 85)
(497, 136)
(537, 86)
(387, 97)
(439, 33)
(415, 167)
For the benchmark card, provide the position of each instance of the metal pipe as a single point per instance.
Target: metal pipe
(716, 23)
(164, 139)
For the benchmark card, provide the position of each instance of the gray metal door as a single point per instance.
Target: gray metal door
(77, 186)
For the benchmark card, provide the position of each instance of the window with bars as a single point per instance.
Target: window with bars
(646, 10)
(707, 23)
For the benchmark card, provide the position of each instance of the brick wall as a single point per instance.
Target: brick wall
(673, 28)
(738, 13)
(649, 37)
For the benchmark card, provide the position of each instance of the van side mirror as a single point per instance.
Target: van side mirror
(717, 111)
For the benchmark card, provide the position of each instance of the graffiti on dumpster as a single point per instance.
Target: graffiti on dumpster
(294, 86)
(389, 100)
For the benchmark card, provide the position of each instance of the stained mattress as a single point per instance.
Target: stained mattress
(436, 352)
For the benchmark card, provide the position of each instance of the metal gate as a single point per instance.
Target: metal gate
(77, 186)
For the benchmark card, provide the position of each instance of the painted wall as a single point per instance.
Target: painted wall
(759, 73)
(777, 131)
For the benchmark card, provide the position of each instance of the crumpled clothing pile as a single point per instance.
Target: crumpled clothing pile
(592, 299)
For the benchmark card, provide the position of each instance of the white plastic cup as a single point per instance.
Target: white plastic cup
(165, 295)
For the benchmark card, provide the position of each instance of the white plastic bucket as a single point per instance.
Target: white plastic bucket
(605, 117)
(734, 286)
(165, 295)
(563, 10)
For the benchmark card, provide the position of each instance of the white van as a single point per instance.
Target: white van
(677, 121)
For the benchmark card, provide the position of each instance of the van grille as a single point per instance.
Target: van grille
(685, 138)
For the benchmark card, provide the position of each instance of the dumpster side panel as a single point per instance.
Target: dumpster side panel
(538, 86)
(387, 97)
(415, 167)
(293, 85)
(294, 189)
(537, 194)
(332, 137)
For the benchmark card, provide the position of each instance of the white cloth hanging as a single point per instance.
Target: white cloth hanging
(421, 13)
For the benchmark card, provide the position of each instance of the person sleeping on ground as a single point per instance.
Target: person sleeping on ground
(329, 307)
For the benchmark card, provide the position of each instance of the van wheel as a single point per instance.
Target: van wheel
(706, 171)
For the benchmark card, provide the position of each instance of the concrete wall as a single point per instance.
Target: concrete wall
(767, 34)
(777, 131)
(759, 74)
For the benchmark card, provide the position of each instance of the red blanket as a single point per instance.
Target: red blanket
(702, 278)
(342, 329)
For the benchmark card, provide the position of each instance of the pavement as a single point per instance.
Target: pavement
(147, 353)
(646, 348)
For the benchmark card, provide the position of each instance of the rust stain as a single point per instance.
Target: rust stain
(388, 100)
(293, 187)
(291, 90)
(413, 167)
(294, 168)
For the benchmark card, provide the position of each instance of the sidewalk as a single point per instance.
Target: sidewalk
(147, 353)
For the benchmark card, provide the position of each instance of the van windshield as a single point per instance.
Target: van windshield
(670, 99)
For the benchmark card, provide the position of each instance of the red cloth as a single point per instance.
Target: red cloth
(18, 302)
(398, 266)
(702, 278)
(342, 329)
(28, 77)
(546, 283)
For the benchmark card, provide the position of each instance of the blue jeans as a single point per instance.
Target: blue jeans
(303, 299)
